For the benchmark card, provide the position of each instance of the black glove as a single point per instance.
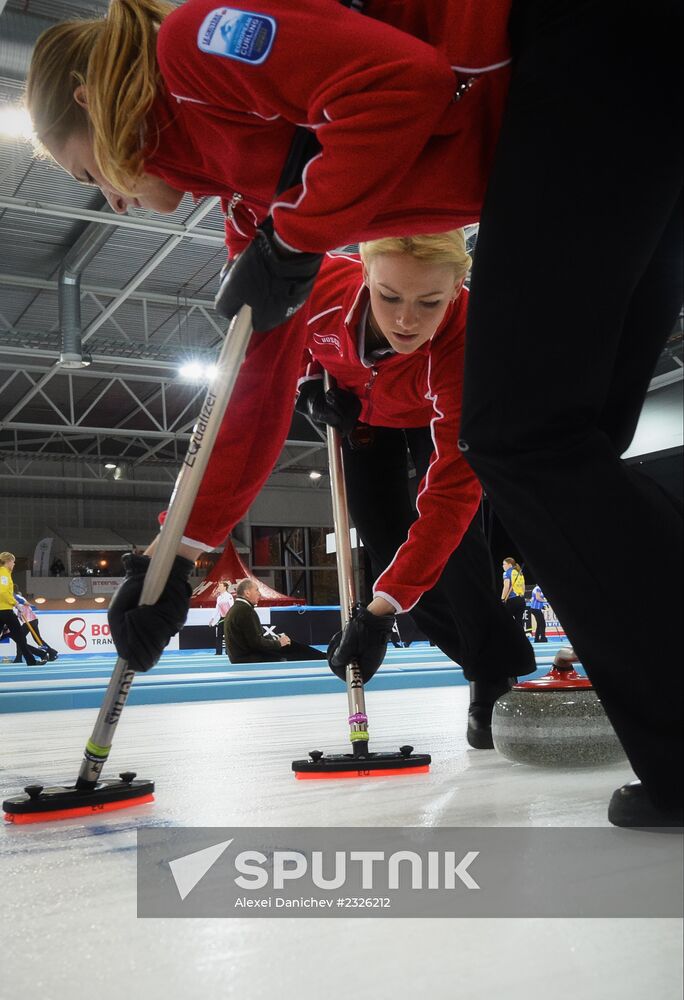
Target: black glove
(141, 633)
(363, 639)
(273, 281)
(336, 407)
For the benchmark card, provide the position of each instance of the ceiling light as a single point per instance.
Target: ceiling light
(110, 465)
(100, 600)
(195, 371)
(192, 370)
(15, 122)
(39, 600)
(69, 600)
(314, 475)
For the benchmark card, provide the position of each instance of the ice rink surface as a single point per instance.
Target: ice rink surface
(68, 920)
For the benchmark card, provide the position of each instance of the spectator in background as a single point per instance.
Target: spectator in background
(8, 601)
(537, 604)
(57, 568)
(513, 592)
(245, 639)
(224, 602)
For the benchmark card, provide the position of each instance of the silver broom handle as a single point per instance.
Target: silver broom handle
(184, 493)
(358, 720)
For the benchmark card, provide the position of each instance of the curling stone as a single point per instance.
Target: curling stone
(556, 721)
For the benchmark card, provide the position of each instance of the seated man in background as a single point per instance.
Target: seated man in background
(245, 639)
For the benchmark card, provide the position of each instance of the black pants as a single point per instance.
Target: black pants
(539, 624)
(8, 620)
(462, 614)
(220, 634)
(516, 608)
(33, 650)
(295, 651)
(580, 249)
(258, 658)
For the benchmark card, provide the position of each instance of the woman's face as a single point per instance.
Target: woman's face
(409, 298)
(77, 157)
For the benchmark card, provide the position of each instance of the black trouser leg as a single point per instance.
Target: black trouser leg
(259, 658)
(461, 614)
(539, 625)
(35, 629)
(589, 173)
(515, 606)
(301, 651)
(490, 647)
(9, 620)
(220, 635)
(33, 650)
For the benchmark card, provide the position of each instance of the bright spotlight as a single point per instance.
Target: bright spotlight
(110, 465)
(192, 370)
(195, 371)
(15, 122)
(314, 475)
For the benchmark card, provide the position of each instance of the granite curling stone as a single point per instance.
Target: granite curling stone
(555, 721)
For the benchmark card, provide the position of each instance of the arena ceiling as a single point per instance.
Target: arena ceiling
(146, 308)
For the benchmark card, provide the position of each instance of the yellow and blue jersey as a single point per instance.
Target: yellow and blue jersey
(7, 599)
(517, 581)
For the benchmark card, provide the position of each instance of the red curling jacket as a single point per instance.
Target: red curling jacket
(417, 390)
(399, 156)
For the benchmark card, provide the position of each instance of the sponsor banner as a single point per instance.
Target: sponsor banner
(80, 632)
(553, 626)
(410, 872)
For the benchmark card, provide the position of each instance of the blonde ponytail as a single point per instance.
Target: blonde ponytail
(115, 60)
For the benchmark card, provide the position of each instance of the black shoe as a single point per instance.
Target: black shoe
(632, 806)
(483, 694)
(52, 655)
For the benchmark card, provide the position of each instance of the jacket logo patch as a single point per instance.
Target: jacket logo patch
(237, 34)
(328, 340)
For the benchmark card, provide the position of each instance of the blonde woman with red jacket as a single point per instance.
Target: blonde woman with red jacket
(152, 102)
(389, 326)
